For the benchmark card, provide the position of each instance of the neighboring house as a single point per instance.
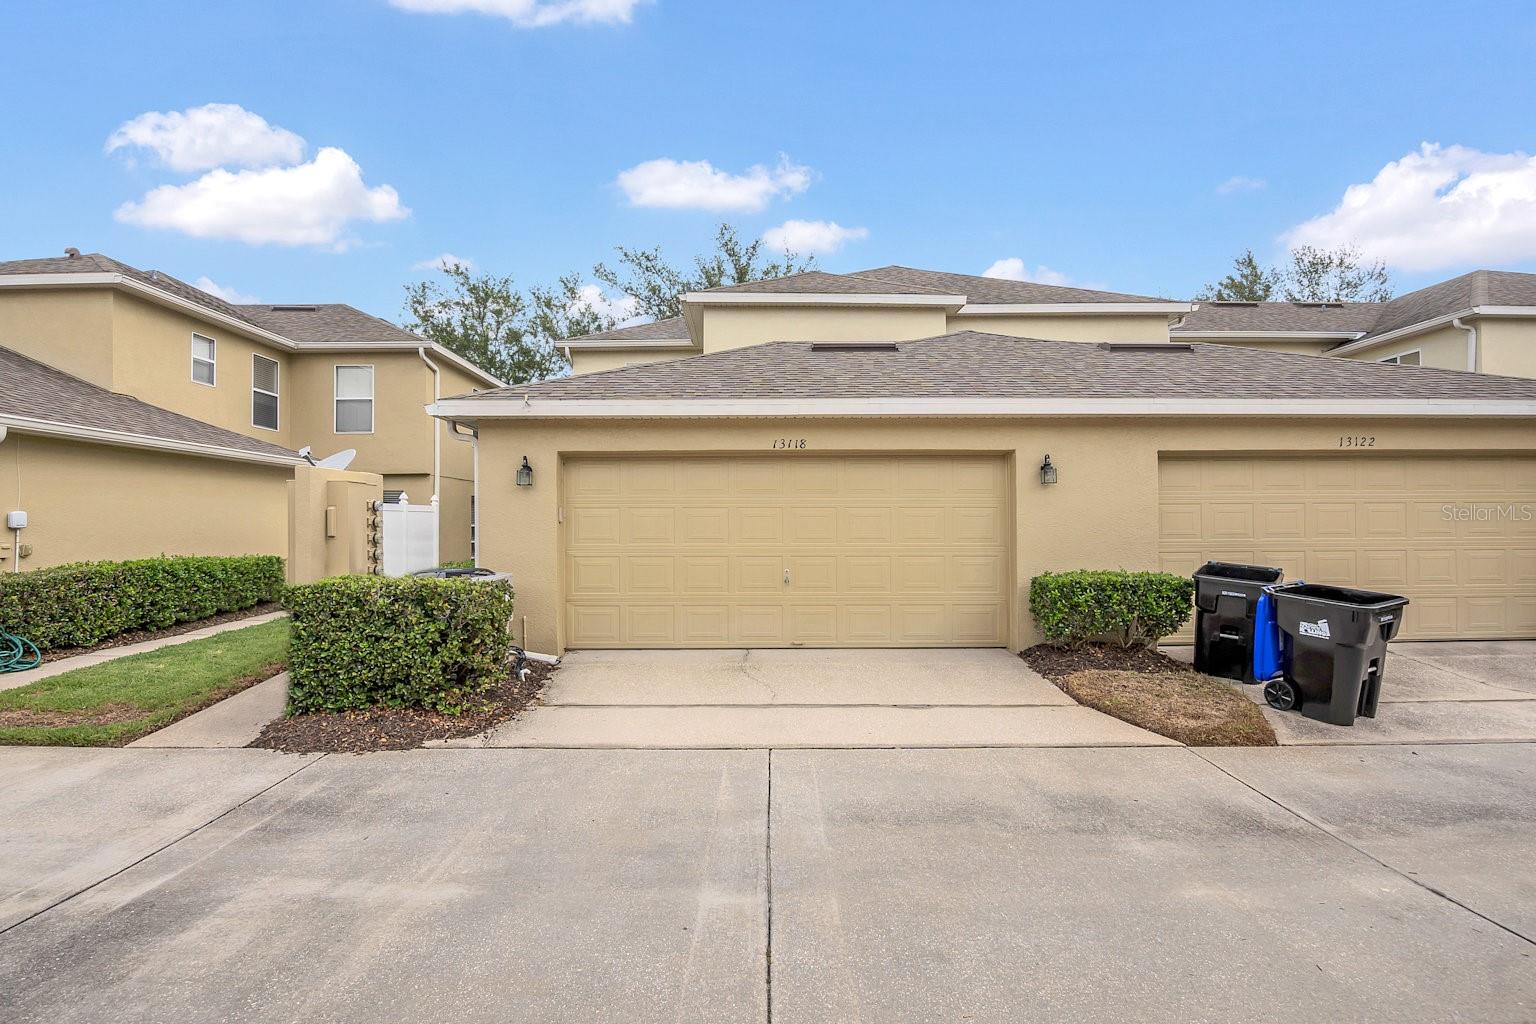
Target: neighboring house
(328, 377)
(858, 460)
(1483, 321)
(893, 303)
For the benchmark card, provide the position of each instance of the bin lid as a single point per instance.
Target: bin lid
(1239, 571)
(1322, 593)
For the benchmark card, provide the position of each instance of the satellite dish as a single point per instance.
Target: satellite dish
(304, 453)
(341, 460)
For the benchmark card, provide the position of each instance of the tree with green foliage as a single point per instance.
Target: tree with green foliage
(485, 319)
(1248, 282)
(1334, 275)
(1312, 275)
(658, 287)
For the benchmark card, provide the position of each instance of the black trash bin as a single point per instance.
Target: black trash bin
(1333, 653)
(1226, 594)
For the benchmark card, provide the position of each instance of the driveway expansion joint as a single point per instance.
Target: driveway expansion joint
(1330, 833)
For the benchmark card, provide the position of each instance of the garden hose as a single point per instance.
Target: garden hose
(14, 653)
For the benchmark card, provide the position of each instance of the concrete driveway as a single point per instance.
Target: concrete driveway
(1150, 884)
(1468, 692)
(749, 699)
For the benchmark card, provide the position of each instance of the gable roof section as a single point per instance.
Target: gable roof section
(672, 329)
(1479, 288)
(971, 373)
(38, 399)
(1330, 319)
(996, 290)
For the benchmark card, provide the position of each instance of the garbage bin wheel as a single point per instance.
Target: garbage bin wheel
(1280, 695)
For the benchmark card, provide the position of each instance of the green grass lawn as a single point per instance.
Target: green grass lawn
(111, 704)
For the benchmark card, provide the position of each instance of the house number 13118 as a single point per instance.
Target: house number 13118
(788, 442)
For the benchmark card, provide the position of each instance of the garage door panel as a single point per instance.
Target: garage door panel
(1437, 528)
(878, 550)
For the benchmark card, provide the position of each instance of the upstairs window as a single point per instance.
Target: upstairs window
(264, 392)
(203, 359)
(354, 400)
(1413, 358)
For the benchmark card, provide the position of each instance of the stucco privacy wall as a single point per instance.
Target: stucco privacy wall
(327, 515)
(88, 501)
(66, 328)
(1102, 514)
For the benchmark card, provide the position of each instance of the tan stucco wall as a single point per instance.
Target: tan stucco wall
(1068, 328)
(1508, 345)
(67, 329)
(592, 362)
(1102, 514)
(153, 363)
(401, 441)
(329, 513)
(87, 501)
(727, 327)
(1444, 348)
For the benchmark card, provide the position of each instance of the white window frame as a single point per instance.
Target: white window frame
(212, 363)
(277, 375)
(1397, 360)
(336, 400)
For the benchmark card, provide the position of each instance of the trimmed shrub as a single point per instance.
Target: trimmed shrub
(85, 603)
(1128, 608)
(360, 641)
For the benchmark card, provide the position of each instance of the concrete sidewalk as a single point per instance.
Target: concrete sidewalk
(232, 722)
(12, 680)
(806, 699)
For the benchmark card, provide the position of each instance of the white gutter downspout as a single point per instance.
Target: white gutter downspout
(437, 428)
(1472, 353)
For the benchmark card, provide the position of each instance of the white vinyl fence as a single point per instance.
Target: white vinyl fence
(409, 537)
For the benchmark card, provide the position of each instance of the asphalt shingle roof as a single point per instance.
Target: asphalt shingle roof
(329, 322)
(37, 391)
(97, 263)
(672, 329)
(1479, 288)
(972, 364)
(1335, 317)
(896, 280)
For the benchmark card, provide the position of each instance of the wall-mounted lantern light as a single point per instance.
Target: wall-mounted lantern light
(1047, 471)
(525, 474)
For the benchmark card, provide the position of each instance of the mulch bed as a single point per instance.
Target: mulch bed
(358, 732)
(1156, 693)
(140, 635)
(1056, 663)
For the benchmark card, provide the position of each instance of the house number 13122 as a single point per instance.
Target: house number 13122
(788, 442)
(1357, 441)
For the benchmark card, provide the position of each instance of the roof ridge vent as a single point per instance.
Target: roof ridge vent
(1233, 302)
(854, 346)
(294, 309)
(1146, 346)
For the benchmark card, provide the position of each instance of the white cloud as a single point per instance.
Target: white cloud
(1240, 183)
(623, 309)
(699, 185)
(239, 298)
(308, 204)
(1013, 269)
(532, 13)
(1441, 206)
(805, 236)
(213, 135)
(443, 261)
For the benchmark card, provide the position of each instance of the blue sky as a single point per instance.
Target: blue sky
(1112, 144)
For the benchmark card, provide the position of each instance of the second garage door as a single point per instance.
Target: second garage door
(1455, 533)
(846, 551)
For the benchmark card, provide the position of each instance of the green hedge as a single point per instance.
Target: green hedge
(85, 603)
(360, 641)
(1128, 608)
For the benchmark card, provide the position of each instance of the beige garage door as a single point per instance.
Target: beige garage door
(1456, 534)
(882, 551)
